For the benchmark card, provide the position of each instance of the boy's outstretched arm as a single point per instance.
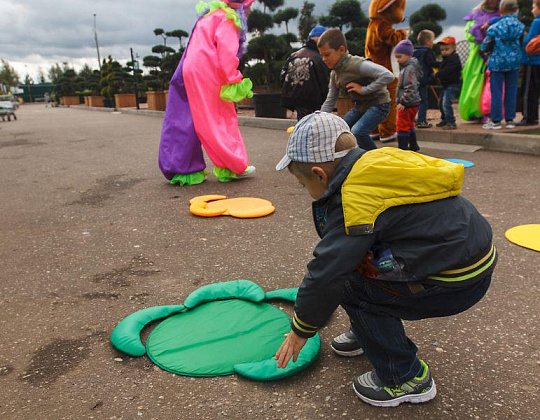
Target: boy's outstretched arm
(290, 347)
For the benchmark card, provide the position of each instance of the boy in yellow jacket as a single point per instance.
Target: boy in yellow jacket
(397, 242)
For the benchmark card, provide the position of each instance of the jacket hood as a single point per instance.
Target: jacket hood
(510, 31)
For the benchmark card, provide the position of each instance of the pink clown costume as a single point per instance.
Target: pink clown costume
(200, 109)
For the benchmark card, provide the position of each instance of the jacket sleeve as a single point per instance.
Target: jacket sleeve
(449, 69)
(381, 76)
(335, 258)
(322, 77)
(227, 41)
(331, 98)
(430, 60)
(533, 31)
(408, 86)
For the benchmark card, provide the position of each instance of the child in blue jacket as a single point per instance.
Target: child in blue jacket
(504, 37)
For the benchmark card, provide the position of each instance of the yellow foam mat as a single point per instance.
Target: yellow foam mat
(527, 236)
(242, 207)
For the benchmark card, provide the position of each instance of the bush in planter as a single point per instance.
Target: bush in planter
(270, 51)
(67, 85)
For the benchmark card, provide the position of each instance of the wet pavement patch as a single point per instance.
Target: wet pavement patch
(20, 142)
(101, 295)
(54, 360)
(118, 277)
(105, 189)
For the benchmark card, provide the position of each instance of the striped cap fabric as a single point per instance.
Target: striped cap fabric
(314, 140)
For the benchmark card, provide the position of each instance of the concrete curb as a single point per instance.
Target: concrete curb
(494, 142)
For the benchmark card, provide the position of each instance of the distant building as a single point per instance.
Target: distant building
(34, 92)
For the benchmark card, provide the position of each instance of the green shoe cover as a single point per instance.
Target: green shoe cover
(189, 179)
(224, 174)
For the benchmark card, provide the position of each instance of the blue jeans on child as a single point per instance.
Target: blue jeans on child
(445, 103)
(377, 308)
(509, 80)
(363, 123)
(424, 105)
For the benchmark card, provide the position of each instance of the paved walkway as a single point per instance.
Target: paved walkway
(90, 232)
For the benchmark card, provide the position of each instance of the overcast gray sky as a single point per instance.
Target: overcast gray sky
(37, 33)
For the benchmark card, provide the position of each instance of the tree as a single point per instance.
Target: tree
(272, 5)
(56, 71)
(306, 22)
(41, 75)
(178, 33)
(161, 32)
(283, 16)
(345, 13)
(427, 17)
(8, 76)
(260, 22)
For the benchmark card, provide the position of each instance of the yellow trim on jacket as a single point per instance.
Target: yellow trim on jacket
(389, 177)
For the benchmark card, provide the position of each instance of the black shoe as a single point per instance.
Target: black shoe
(441, 124)
(424, 124)
(346, 344)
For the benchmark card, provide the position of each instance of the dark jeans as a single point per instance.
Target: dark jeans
(376, 311)
(363, 123)
(507, 80)
(423, 107)
(302, 112)
(445, 103)
(530, 88)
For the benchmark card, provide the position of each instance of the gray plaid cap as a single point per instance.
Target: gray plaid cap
(314, 140)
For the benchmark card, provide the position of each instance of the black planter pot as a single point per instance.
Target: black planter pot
(269, 105)
(108, 102)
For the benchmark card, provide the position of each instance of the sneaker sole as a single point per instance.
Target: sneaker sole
(347, 353)
(410, 398)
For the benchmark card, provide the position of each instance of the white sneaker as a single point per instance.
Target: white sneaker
(492, 126)
(250, 170)
(393, 137)
(510, 124)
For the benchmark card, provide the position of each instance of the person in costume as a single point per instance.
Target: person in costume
(200, 110)
(398, 242)
(473, 71)
(381, 39)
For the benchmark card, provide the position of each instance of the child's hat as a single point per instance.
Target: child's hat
(404, 47)
(447, 40)
(317, 31)
(314, 140)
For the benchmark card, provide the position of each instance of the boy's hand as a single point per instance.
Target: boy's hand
(400, 107)
(289, 348)
(354, 87)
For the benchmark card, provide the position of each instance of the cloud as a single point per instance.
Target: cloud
(39, 33)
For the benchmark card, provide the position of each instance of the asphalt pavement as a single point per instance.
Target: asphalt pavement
(90, 232)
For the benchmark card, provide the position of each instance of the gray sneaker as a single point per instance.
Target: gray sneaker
(346, 344)
(369, 388)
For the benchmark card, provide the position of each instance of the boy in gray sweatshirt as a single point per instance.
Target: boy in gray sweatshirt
(360, 79)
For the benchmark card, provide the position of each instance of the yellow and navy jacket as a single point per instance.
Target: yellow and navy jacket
(403, 208)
